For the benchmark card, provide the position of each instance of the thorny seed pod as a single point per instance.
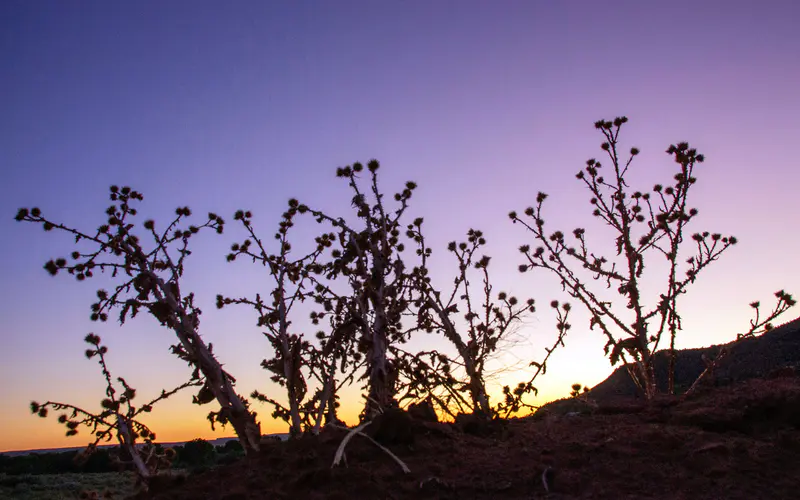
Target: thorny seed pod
(51, 267)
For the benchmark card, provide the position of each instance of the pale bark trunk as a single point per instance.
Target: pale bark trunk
(242, 420)
(185, 327)
(327, 395)
(126, 442)
(380, 394)
(647, 377)
(381, 378)
(294, 408)
(289, 370)
(477, 388)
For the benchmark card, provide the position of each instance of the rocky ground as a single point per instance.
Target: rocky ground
(730, 442)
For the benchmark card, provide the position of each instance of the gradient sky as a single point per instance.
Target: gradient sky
(222, 106)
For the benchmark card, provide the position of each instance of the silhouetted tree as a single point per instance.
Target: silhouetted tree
(233, 447)
(644, 223)
(197, 453)
(151, 281)
(485, 322)
(293, 355)
(368, 259)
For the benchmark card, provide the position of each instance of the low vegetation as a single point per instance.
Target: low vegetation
(74, 474)
(367, 276)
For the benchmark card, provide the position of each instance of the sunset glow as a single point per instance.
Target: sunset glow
(482, 104)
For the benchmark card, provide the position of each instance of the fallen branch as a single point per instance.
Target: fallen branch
(358, 430)
(340, 451)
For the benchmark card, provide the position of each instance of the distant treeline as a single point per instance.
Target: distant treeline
(197, 454)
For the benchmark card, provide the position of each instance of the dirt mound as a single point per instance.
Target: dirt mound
(740, 441)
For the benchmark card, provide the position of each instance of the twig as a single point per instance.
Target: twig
(340, 451)
(357, 430)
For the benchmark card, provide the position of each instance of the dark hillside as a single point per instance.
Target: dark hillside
(749, 358)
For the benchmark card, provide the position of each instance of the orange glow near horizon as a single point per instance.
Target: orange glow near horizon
(35, 433)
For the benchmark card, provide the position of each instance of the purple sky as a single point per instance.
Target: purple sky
(483, 104)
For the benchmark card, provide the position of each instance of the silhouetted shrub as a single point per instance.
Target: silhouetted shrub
(645, 223)
(197, 453)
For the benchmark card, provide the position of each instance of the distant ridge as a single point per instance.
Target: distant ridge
(215, 442)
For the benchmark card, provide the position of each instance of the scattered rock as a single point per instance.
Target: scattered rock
(423, 411)
(478, 424)
(393, 426)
